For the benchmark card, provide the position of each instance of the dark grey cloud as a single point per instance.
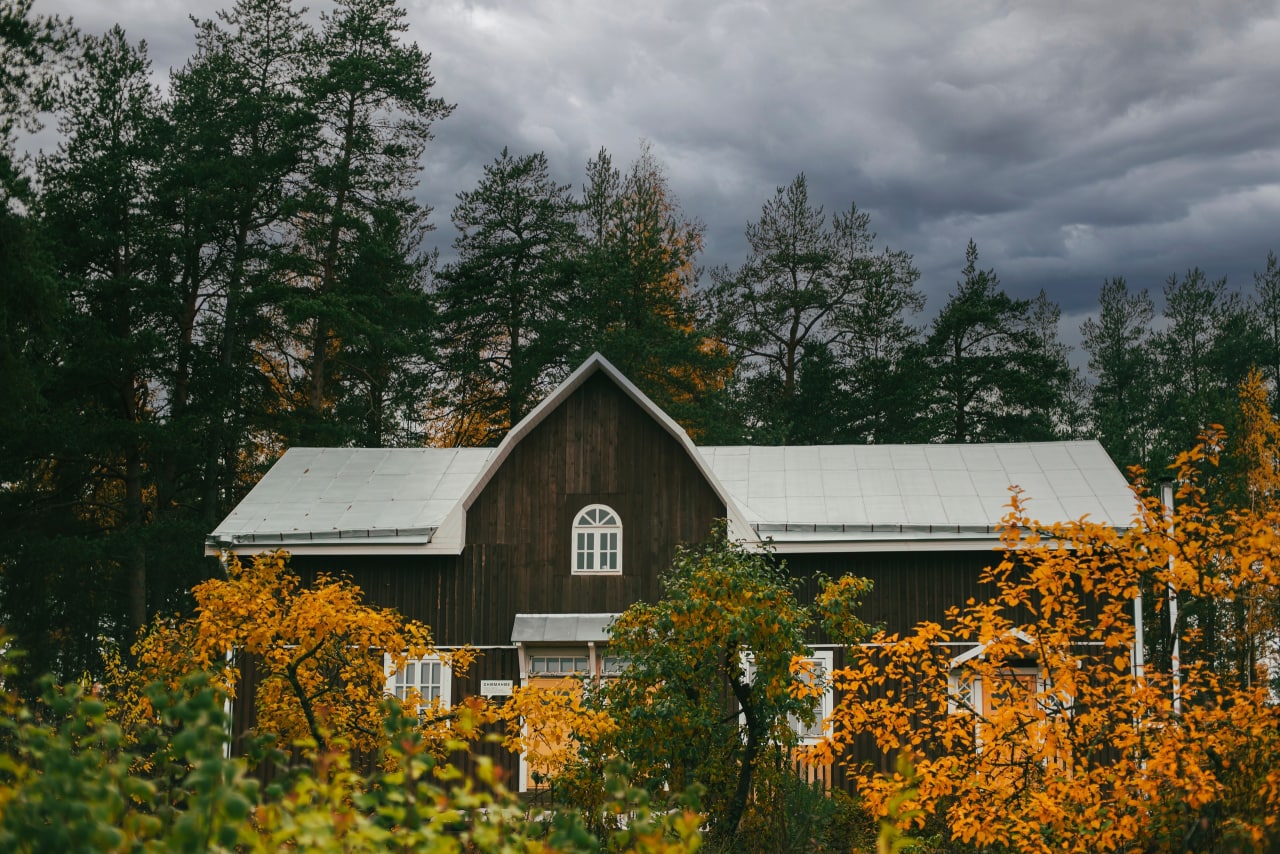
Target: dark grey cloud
(1072, 141)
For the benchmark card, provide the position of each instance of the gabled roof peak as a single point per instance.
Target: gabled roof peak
(594, 364)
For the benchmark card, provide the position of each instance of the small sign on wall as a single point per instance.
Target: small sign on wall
(495, 687)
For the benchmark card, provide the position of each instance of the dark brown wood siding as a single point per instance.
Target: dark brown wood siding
(598, 447)
(910, 586)
(430, 589)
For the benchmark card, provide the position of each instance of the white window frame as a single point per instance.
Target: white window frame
(957, 702)
(826, 659)
(560, 655)
(397, 687)
(588, 538)
(961, 675)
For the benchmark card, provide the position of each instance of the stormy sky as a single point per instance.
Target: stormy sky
(1072, 140)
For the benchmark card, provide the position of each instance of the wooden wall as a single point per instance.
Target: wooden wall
(910, 586)
(597, 447)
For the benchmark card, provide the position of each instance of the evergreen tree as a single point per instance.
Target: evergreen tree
(37, 57)
(36, 53)
(507, 302)
(813, 292)
(1123, 362)
(387, 366)
(84, 570)
(996, 377)
(240, 130)
(636, 280)
(1265, 307)
(1204, 352)
(880, 352)
(1068, 413)
(371, 94)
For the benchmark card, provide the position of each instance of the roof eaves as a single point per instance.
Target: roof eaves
(416, 534)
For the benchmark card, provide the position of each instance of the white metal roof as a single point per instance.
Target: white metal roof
(561, 628)
(372, 496)
(804, 498)
(834, 493)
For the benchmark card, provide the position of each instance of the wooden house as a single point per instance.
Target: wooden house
(527, 550)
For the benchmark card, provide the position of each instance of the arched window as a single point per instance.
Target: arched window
(597, 541)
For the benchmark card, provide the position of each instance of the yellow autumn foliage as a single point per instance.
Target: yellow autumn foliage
(319, 653)
(1050, 734)
(549, 724)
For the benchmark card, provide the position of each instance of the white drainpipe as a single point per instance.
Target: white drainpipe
(1175, 663)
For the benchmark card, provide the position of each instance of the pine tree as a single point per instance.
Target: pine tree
(36, 53)
(1265, 307)
(1123, 362)
(371, 94)
(1204, 352)
(994, 377)
(240, 130)
(636, 280)
(387, 366)
(810, 292)
(91, 490)
(507, 302)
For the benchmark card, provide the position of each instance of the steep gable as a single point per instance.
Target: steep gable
(596, 446)
(598, 367)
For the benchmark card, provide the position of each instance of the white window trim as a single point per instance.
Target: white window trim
(562, 653)
(446, 677)
(826, 703)
(595, 551)
(960, 672)
(955, 679)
